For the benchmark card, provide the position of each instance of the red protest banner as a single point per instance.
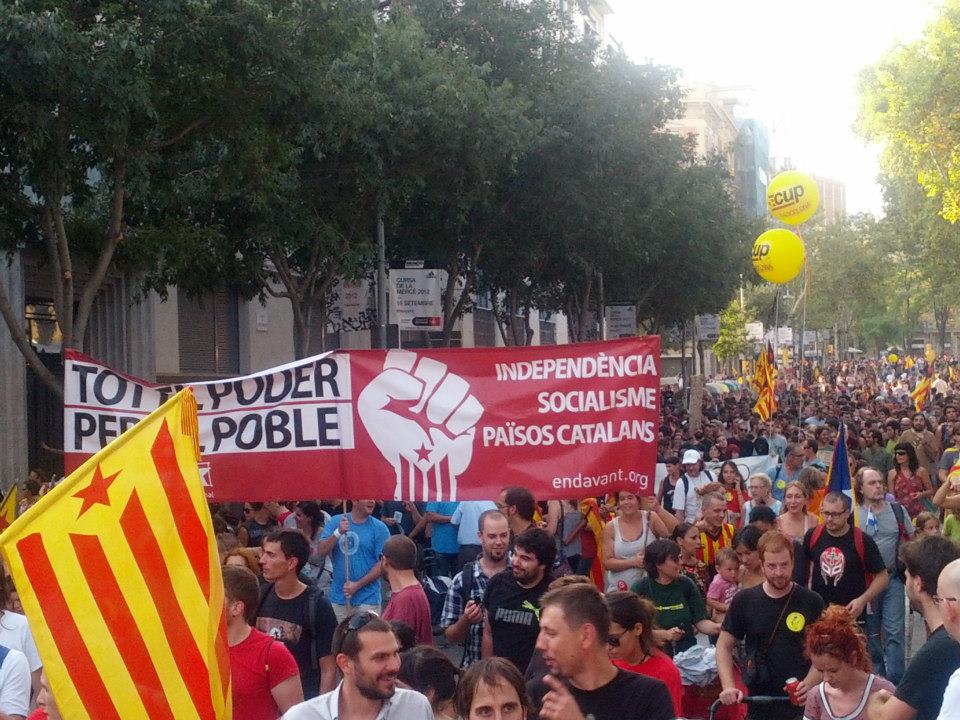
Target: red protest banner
(440, 424)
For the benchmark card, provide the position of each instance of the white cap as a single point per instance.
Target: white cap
(690, 457)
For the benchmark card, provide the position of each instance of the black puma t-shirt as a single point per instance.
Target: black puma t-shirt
(513, 613)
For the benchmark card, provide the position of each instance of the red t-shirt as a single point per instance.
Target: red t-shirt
(38, 714)
(410, 605)
(257, 665)
(661, 667)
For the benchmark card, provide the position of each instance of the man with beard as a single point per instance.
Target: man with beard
(368, 656)
(771, 618)
(462, 617)
(923, 441)
(583, 683)
(512, 599)
(844, 563)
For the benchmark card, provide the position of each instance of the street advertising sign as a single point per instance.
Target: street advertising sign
(566, 421)
(754, 331)
(708, 327)
(418, 298)
(621, 320)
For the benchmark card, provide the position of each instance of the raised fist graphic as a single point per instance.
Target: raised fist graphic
(422, 419)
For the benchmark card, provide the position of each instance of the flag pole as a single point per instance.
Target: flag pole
(346, 561)
(803, 339)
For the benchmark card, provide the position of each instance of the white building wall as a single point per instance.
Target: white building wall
(266, 334)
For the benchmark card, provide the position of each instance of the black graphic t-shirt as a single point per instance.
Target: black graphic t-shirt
(289, 622)
(925, 681)
(752, 617)
(836, 572)
(628, 696)
(513, 614)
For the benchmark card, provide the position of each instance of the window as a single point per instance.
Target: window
(42, 327)
(208, 328)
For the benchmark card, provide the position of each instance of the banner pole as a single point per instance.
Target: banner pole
(346, 562)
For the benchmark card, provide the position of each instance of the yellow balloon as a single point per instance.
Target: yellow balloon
(893, 357)
(778, 255)
(793, 197)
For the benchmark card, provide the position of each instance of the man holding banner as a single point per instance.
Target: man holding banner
(359, 536)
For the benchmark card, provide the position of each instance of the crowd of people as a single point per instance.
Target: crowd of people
(607, 607)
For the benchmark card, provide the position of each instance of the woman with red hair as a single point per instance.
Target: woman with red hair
(838, 648)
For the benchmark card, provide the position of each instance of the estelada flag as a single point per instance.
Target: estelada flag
(8, 508)
(118, 573)
(765, 382)
(922, 391)
(838, 475)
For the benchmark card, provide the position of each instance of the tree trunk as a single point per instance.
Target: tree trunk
(15, 324)
(941, 315)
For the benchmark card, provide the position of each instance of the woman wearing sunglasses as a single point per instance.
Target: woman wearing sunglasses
(908, 481)
(631, 644)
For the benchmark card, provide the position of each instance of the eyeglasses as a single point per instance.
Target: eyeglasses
(937, 599)
(900, 452)
(360, 620)
(613, 639)
(248, 510)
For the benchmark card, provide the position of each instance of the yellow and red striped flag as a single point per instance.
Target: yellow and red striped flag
(118, 572)
(764, 379)
(922, 391)
(8, 508)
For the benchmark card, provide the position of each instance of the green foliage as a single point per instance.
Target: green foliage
(732, 342)
(252, 144)
(910, 101)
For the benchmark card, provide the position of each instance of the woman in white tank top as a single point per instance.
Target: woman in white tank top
(624, 540)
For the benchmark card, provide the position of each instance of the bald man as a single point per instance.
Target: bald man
(948, 592)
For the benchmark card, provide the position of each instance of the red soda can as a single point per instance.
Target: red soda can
(791, 689)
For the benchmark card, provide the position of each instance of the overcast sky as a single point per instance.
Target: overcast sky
(801, 59)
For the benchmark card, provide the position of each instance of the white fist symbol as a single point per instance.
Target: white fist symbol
(422, 419)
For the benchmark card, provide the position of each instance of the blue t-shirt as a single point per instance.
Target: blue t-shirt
(365, 540)
(444, 538)
(467, 520)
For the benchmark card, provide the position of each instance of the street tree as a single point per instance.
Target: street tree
(96, 96)
(909, 102)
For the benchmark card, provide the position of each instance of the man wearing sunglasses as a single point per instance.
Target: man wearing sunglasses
(838, 559)
(368, 657)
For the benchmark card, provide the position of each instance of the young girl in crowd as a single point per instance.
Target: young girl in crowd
(929, 524)
(724, 584)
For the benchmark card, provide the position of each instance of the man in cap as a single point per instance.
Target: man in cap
(687, 498)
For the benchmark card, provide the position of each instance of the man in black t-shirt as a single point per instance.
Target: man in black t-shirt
(574, 628)
(285, 613)
(512, 599)
(770, 618)
(920, 693)
(838, 568)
